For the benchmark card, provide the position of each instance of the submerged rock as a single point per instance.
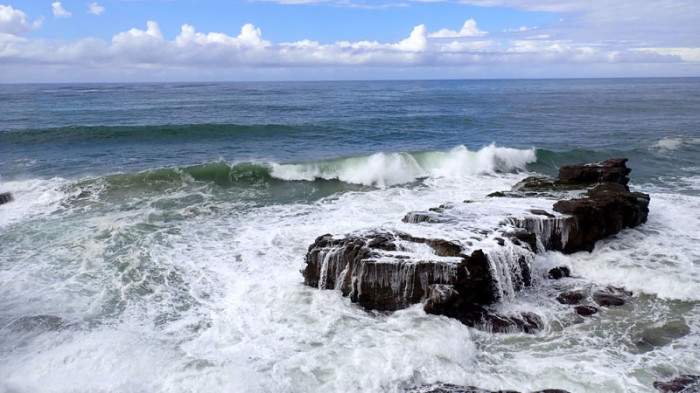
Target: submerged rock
(388, 270)
(6, 197)
(449, 388)
(654, 337)
(38, 322)
(682, 383)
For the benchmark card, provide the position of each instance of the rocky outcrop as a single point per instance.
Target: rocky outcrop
(5, 197)
(390, 271)
(469, 259)
(610, 171)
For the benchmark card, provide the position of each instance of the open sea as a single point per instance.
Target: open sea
(160, 230)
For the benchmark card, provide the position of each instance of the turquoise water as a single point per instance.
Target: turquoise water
(166, 224)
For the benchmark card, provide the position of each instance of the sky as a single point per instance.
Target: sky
(229, 40)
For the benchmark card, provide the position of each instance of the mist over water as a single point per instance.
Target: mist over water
(160, 231)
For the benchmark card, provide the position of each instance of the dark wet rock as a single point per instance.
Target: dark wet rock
(606, 210)
(526, 237)
(585, 311)
(559, 273)
(682, 383)
(497, 194)
(6, 197)
(541, 212)
(418, 217)
(614, 170)
(450, 388)
(570, 297)
(460, 278)
(38, 322)
(534, 183)
(361, 267)
(551, 391)
(607, 299)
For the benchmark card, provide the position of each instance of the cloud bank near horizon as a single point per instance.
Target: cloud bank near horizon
(145, 52)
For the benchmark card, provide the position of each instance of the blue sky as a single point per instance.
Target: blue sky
(143, 40)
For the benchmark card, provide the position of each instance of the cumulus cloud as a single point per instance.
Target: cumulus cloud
(95, 9)
(469, 29)
(59, 11)
(417, 41)
(14, 22)
(147, 50)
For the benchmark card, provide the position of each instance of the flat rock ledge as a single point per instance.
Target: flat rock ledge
(457, 259)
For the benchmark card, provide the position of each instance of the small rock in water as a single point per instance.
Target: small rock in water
(570, 297)
(6, 197)
(585, 311)
(682, 383)
(606, 299)
(497, 194)
(559, 272)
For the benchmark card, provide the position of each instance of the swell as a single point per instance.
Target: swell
(379, 170)
(84, 134)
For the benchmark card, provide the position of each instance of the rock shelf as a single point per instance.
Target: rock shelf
(458, 258)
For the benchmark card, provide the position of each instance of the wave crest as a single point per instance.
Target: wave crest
(387, 169)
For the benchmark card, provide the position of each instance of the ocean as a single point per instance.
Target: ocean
(160, 230)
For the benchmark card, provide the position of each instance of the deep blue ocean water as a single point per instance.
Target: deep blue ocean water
(166, 225)
(80, 130)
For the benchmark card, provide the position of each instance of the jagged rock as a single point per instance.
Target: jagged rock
(6, 197)
(526, 237)
(388, 270)
(559, 272)
(570, 297)
(682, 383)
(607, 209)
(365, 269)
(614, 170)
(585, 311)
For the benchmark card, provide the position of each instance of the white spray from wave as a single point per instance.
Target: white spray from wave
(388, 169)
(673, 143)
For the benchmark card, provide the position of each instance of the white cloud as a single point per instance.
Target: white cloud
(416, 42)
(15, 22)
(469, 29)
(686, 54)
(95, 9)
(59, 11)
(148, 52)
